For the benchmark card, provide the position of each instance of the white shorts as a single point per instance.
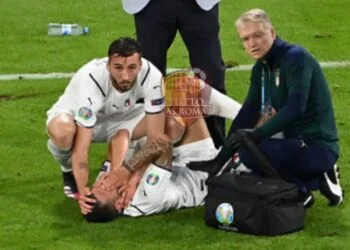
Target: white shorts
(161, 190)
(105, 127)
(196, 151)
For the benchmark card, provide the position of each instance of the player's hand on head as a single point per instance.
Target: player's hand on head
(100, 181)
(130, 191)
(115, 179)
(126, 195)
(86, 201)
(119, 203)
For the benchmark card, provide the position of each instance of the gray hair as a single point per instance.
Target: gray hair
(254, 15)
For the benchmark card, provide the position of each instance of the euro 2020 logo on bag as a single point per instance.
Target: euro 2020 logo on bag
(224, 214)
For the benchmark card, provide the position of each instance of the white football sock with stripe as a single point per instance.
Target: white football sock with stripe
(62, 156)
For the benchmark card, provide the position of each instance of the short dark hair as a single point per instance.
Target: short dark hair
(124, 46)
(101, 212)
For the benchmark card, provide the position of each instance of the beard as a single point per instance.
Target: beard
(123, 86)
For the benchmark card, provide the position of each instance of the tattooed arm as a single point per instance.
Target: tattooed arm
(163, 154)
(159, 151)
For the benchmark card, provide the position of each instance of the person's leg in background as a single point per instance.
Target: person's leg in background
(156, 30)
(200, 32)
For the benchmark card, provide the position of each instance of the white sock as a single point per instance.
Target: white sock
(62, 156)
(219, 104)
(222, 105)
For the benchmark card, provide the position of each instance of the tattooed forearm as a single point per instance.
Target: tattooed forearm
(165, 159)
(156, 150)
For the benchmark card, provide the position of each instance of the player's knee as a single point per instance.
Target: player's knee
(175, 128)
(63, 140)
(62, 130)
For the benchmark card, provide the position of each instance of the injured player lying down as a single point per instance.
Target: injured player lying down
(164, 184)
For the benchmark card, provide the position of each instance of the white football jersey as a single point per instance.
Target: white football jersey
(90, 95)
(161, 190)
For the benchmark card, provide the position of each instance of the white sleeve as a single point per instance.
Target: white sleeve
(154, 194)
(152, 92)
(89, 100)
(218, 103)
